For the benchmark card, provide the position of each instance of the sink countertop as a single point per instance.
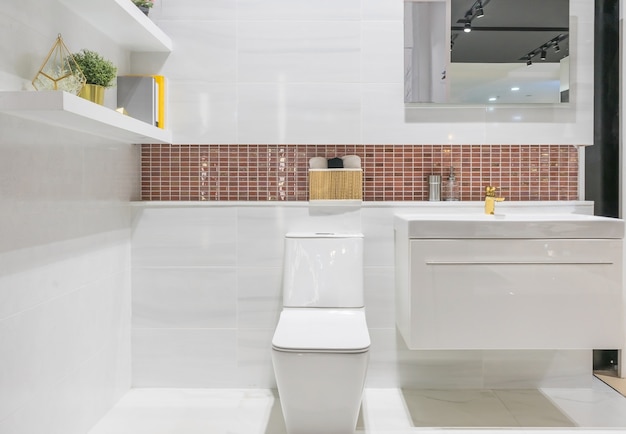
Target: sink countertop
(515, 225)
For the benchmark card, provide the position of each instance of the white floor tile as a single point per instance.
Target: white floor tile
(595, 410)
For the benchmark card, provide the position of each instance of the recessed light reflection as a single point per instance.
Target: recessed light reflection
(514, 89)
(493, 98)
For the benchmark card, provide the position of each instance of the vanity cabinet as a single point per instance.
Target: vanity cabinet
(508, 293)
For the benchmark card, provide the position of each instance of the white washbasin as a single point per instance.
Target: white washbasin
(478, 225)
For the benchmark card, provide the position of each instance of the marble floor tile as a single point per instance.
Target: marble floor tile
(595, 410)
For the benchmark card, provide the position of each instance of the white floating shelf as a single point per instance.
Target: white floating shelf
(73, 113)
(123, 22)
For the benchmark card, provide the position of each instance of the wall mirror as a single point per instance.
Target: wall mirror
(486, 51)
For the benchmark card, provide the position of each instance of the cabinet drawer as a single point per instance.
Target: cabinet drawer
(515, 294)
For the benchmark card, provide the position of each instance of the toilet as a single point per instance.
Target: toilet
(320, 349)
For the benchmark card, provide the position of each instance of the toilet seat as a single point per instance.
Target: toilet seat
(321, 330)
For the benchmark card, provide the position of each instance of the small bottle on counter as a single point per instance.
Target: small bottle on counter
(451, 188)
(434, 188)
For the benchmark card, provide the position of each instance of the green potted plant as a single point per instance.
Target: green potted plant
(144, 5)
(99, 74)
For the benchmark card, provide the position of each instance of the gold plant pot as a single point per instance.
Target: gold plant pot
(93, 93)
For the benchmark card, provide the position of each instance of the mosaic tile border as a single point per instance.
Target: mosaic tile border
(390, 172)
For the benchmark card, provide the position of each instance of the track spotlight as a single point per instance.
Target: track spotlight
(542, 50)
(468, 27)
(479, 10)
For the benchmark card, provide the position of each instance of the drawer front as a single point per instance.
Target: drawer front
(516, 294)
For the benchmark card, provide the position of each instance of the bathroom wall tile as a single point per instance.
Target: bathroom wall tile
(37, 356)
(382, 47)
(389, 10)
(259, 297)
(56, 409)
(501, 123)
(28, 277)
(193, 358)
(379, 233)
(260, 236)
(581, 70)
(273, 51)
(196, 237)
(383, 364)
(288, 10)
(379, 297)
(202, 112)
(386, 120)
(254, 359)
(184, 297)
(205, 50)
(193, 10)
(305, 113)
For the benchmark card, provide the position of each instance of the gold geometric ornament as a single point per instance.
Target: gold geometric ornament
(59, 71)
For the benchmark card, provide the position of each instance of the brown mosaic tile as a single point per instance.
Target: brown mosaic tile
(390, 172)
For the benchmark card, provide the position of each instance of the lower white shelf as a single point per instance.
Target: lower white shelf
(73, 113)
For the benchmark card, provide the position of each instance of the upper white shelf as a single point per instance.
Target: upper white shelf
(73, 113)
(123, 22)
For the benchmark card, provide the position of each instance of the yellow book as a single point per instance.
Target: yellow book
(161, 88)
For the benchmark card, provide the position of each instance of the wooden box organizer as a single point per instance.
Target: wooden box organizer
(325, 184)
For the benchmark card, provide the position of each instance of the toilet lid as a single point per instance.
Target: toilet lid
(322, 329)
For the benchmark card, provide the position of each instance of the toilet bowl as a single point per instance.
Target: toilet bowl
(320, 349)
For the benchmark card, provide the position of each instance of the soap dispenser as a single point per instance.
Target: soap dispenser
(451, 190)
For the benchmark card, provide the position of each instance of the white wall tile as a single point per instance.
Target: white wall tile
(272, 10)
(503, 123)
(382, 51)
(76, 402)
(386, 121)
(260, 236)
(49, 342)
(194, 10)
(275, 51)
(260, 297)
(316, 113)
(202, 112)
(184, 297)
(379, 237)
(185, 237)
(379, 297)
(204, 50)
(64, 282)
(387, 10)
(184, 358)
(254, 359)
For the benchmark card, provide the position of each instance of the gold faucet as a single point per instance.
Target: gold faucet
(491, 199)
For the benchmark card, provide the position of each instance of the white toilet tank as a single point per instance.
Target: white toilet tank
(323, 270)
